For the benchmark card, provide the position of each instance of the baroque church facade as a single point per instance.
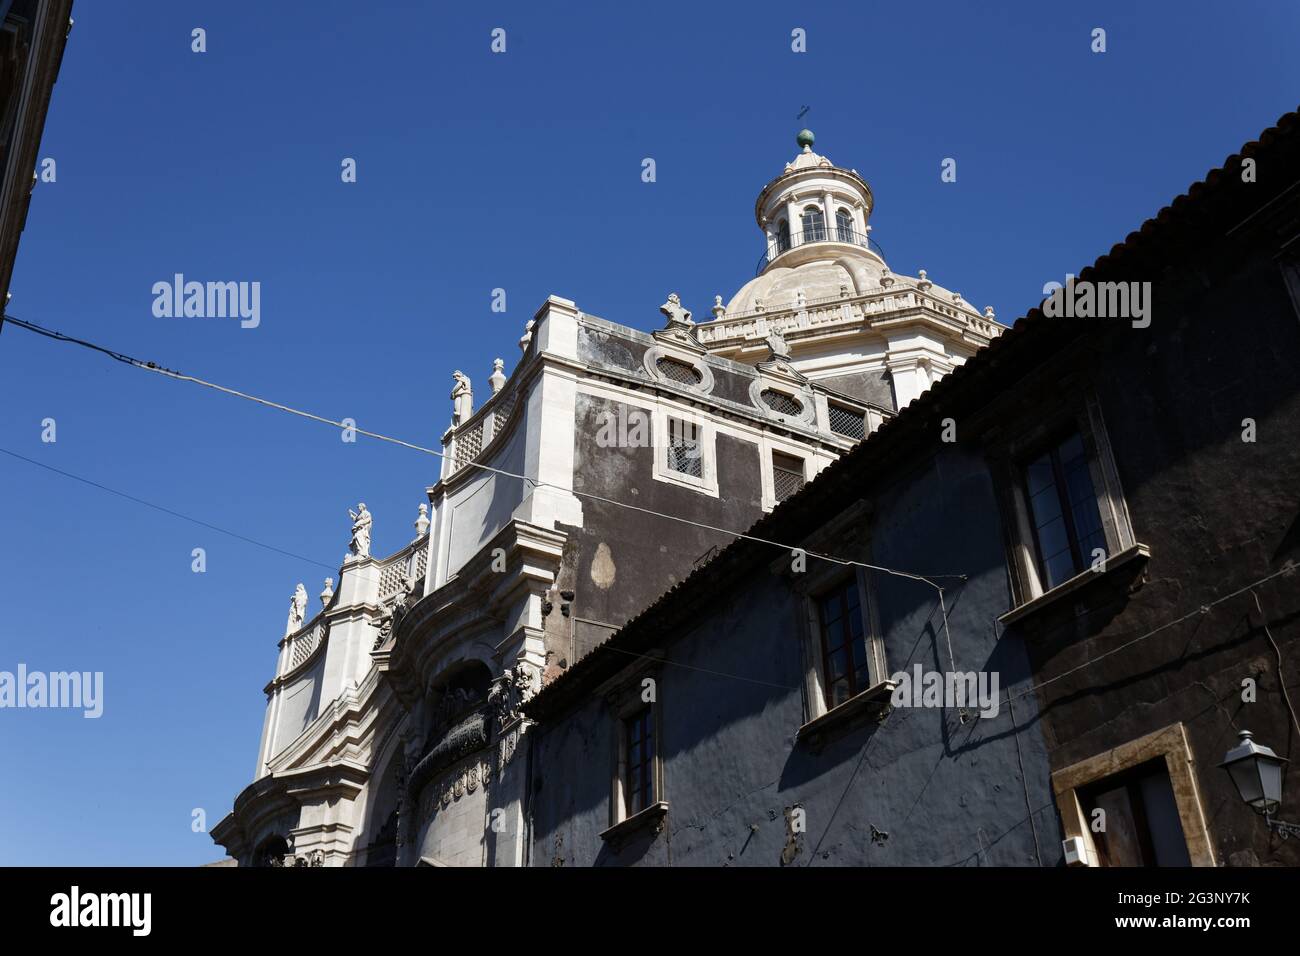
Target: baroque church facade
(607, 466)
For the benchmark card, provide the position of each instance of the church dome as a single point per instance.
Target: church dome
(815, 221)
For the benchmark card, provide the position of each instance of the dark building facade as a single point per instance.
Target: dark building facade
(32, 37)
(1101, 510)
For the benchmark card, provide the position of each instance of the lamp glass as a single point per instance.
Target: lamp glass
(1246, 780)
(1270, 781)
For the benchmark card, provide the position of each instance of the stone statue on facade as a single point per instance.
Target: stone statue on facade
(511, 691)
(677, 316)
(777, 345)
(297, 609)
(462, 398)
(361, 522)
(385, 630)
(680, 328)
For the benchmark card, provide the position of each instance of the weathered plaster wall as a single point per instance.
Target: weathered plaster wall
(872, 385)
(732, 701)
(626, 560)
(1217, 513)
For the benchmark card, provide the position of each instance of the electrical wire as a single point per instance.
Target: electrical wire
(166, 510)
(1277, 651)
(154, 367)
(1202, 609)
(180, 376)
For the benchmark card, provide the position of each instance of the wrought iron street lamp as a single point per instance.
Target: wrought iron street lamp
(1256, 772)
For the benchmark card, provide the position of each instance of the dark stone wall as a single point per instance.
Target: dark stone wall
(606, 349)
(921, 788)
(1126, 656)
(1218, 514)
(648, 554)
(875, 387)
(733, 386)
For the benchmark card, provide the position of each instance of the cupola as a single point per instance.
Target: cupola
(815, 219)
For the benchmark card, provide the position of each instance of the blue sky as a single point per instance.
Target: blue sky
(475, 171)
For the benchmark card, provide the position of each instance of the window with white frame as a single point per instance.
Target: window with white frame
(844, 654)
(844, 225)
(814, 224)
(638, 748)
(846, 421)
(685, 454)
(636, 774)
(1061, 490)
(1063, 510)
(782, 237)
(787, 475)
(846, 670)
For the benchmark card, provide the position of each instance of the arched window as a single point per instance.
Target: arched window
(463, 690)
(844, 225)
(272, 852)
(782, 237)
(814, 225)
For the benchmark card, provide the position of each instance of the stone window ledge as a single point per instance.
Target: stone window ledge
(874, 701)
(650, 819)
(1114, 563)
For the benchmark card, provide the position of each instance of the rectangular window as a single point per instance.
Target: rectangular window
(846, 668)
(1142, 826)
(1063, 510)
(787, 475)
(638, 763)
(846, 421)
(685, 455)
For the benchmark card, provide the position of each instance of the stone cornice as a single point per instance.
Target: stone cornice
(738, 330)
(269, 797)
(789, 176)
(344, 727)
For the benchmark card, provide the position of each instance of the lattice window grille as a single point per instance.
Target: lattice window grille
(469, 444)
(685, 454)
(781, 402)
(848, 422)
(501, 417)
(679, 372)
(787, 475)
(305, 645)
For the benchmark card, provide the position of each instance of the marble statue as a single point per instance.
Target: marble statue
(462, 397)
(777, 344)
(361, 522)
(297, 609)
(677, 316)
